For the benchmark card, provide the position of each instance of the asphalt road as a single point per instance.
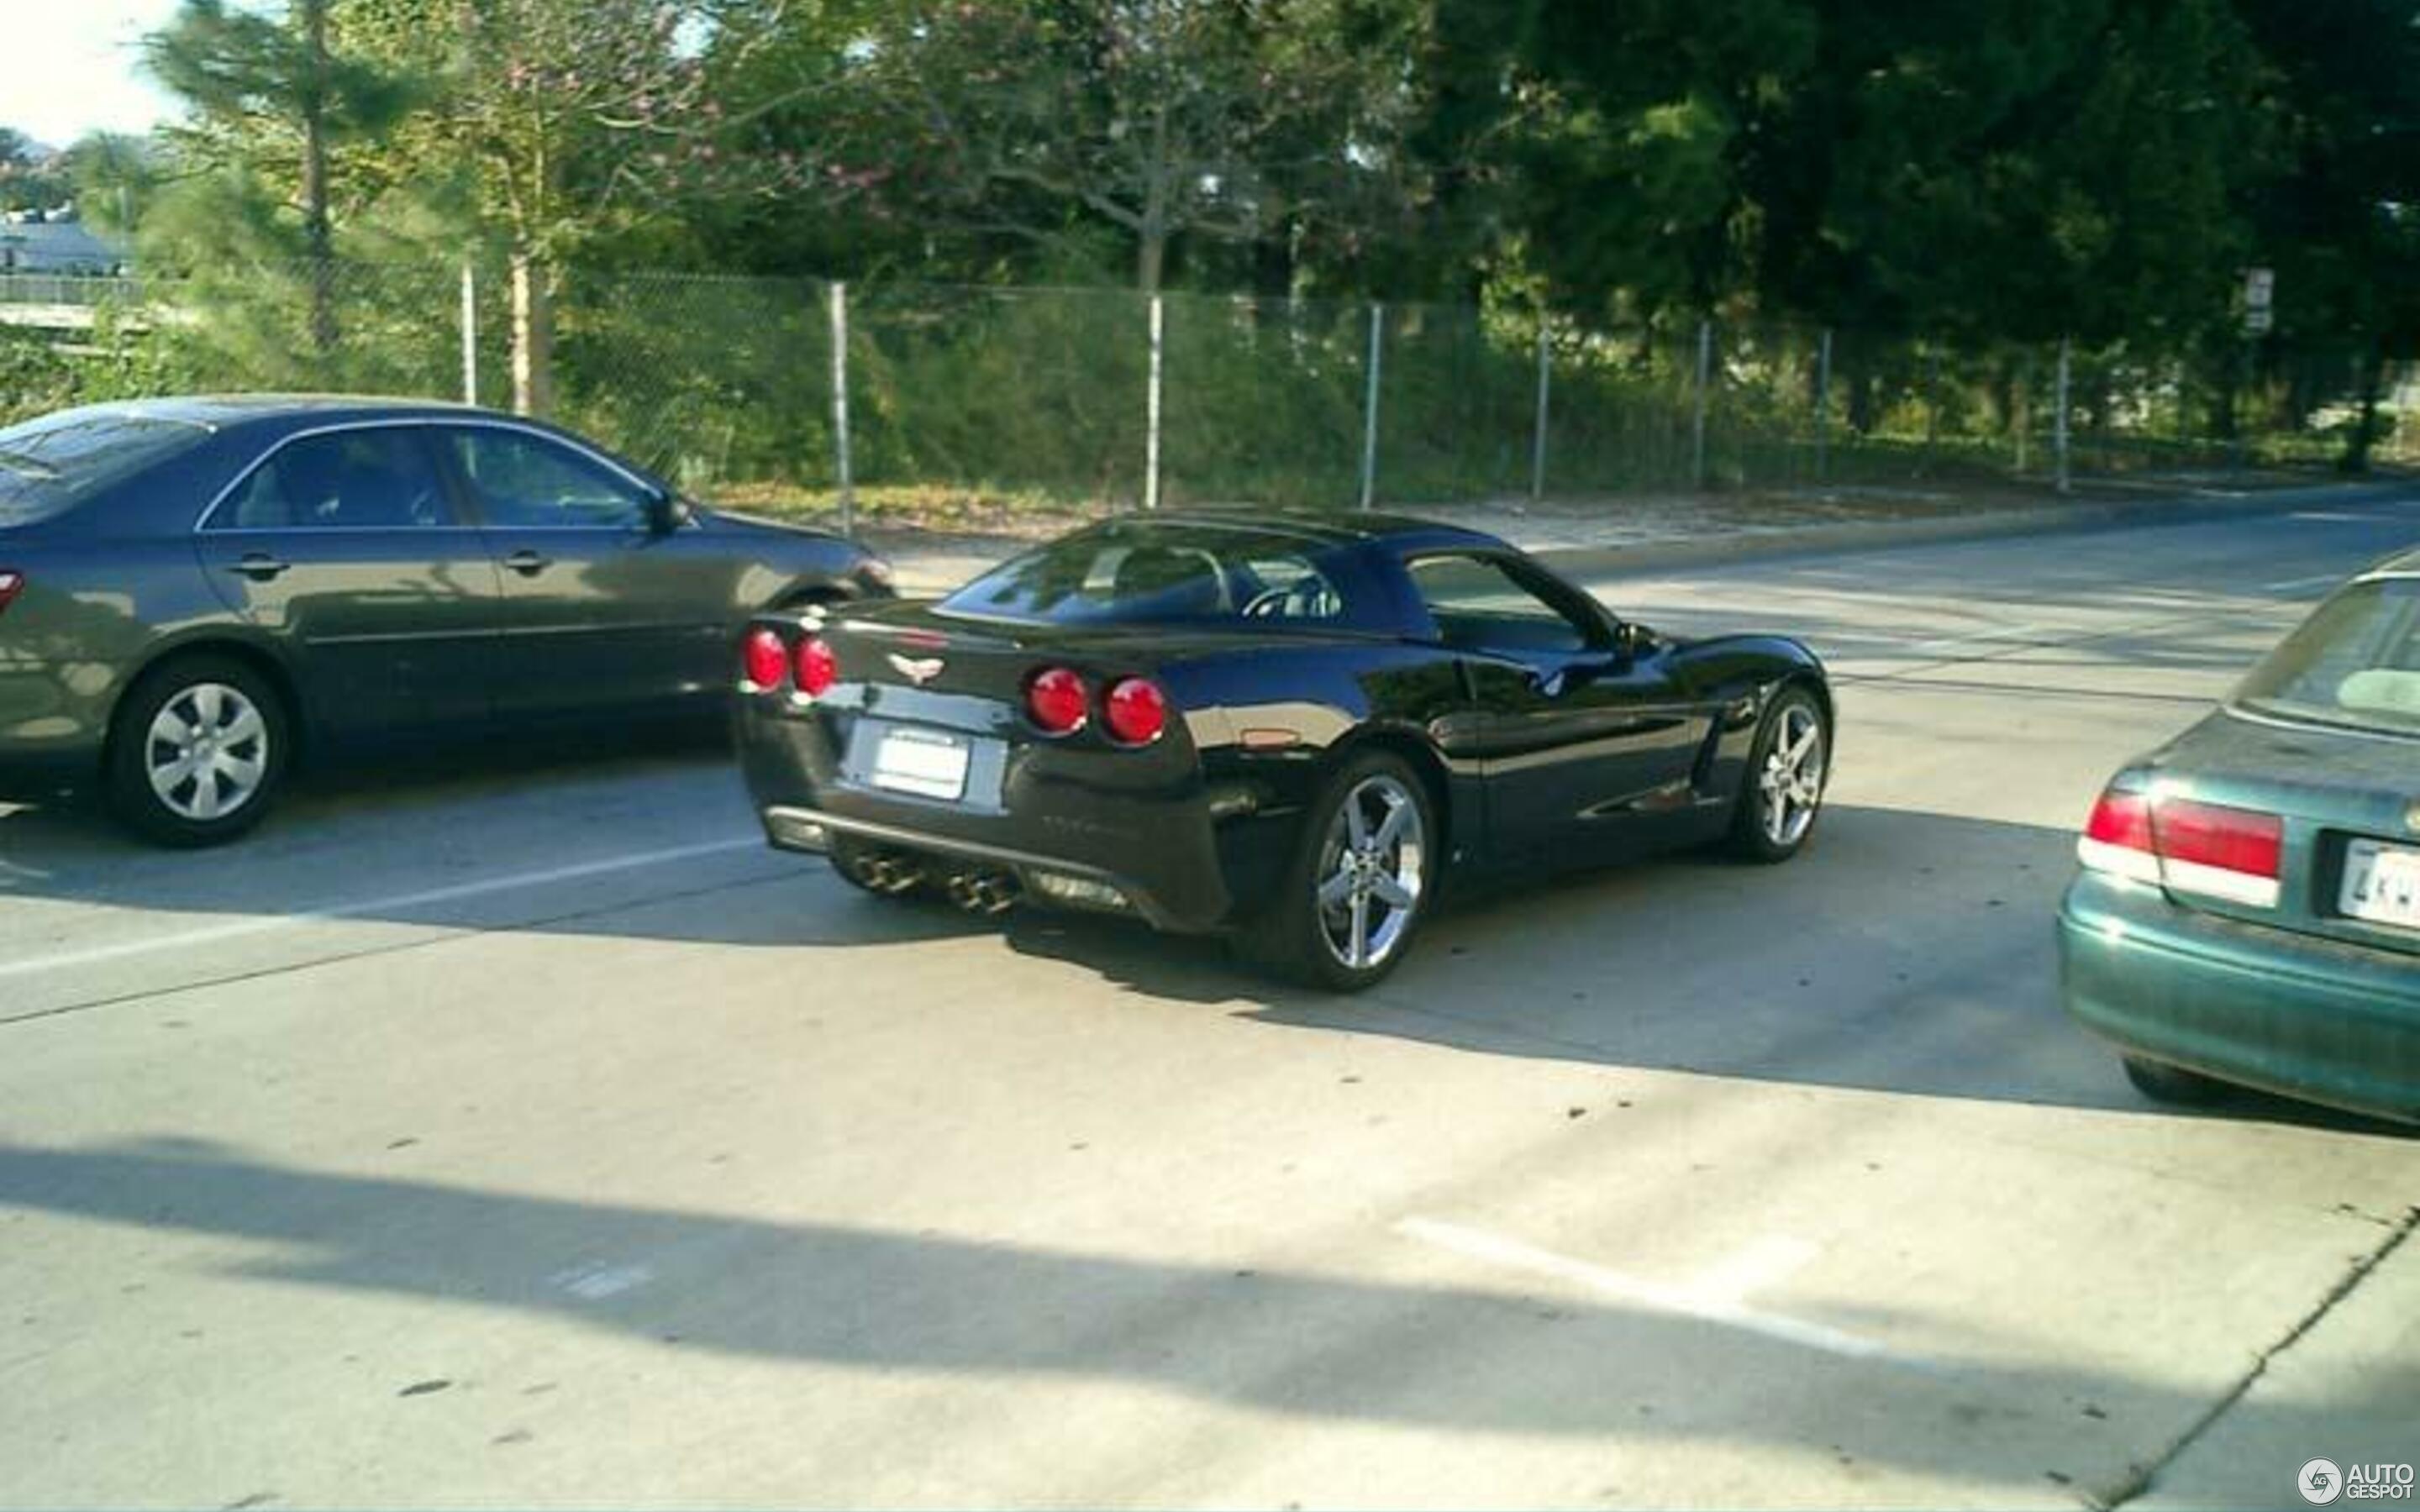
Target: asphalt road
(542, 1139)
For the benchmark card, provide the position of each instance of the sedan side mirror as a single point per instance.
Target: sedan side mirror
(666, 512)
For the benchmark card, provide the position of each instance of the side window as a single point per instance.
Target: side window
(524, 480)
(356, 480)
(1286, 586)
(1478, 603)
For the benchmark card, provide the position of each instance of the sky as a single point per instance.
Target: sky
(71, 67)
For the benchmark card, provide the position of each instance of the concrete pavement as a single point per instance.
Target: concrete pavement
(537, 1137)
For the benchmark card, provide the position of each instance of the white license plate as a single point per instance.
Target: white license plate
(2382, 883)
(921, 761)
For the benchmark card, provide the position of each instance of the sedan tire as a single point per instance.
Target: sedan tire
(1361, 880)
(2174, 1084)
(197, 751)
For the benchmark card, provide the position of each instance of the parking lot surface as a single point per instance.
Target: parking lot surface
(541, 1137)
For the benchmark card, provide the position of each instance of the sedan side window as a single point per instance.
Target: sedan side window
(1478, 603)
(530, 482)
(354, 480)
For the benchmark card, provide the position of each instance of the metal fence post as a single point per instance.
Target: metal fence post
(839, 409)
(1370, 410)
(470, 335)
(1705, 376)
(2058, 421)
(1537, 442)
(1823, 407)
(2024, 417)
(1151, 413)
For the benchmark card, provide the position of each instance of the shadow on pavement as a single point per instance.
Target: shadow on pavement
(1293, 1343)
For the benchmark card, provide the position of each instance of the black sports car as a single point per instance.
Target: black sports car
(194, 592)
(1293, 729)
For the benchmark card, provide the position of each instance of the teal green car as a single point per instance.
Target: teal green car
(2248, 906)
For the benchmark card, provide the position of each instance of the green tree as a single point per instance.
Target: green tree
(268, 89)
(1154, 122)
(560, 123)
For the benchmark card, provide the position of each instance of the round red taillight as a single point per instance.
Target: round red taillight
(1055, 700)
(817, 668)
(1136, 711)
(764, 660)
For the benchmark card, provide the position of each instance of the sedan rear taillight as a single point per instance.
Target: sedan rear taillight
(817, 668)
(763, 660)
(2206, 849)
(1057, 701)
(1136, 711)
(11, 583)
(2232, 854)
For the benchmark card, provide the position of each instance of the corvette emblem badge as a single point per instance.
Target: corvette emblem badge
(917, 669)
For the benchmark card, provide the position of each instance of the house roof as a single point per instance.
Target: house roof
(55, 247)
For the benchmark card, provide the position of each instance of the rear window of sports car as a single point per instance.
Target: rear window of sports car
(50, 465)
(1150, 573)
(2355, 661)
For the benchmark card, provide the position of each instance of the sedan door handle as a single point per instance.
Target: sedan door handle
(259, 566)
(528, 563)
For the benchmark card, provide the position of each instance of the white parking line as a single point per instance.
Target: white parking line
(265, 924)
(1715, 1300)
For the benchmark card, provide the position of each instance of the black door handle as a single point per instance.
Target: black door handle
(528, 563)
(259, 566)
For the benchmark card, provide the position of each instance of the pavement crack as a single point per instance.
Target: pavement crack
(2141, 1477)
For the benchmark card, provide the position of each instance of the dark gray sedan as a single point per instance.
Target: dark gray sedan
(196, 592)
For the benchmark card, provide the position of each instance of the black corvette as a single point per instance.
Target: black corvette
(1291, 729)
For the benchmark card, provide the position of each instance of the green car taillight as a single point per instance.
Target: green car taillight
(2205, 849)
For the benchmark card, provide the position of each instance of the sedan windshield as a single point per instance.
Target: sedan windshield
(1148, 572)
(54, 462)
(2355, 662)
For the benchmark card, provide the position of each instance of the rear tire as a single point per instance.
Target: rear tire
(2174, 1084)
(1361, 881)
(197, 751)
(1781, 791)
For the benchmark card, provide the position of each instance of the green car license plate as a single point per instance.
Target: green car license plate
(2382, 883)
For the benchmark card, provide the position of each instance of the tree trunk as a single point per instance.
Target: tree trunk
(533, 335)
(318, 238)
(1150, 257)
(2364, 426)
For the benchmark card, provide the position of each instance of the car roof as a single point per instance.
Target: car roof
(1330, 527)
(217, 411)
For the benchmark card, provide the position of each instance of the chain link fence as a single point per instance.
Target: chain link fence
(797, 395)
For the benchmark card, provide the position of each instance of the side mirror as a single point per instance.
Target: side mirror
(666, 512)
(1631, 639)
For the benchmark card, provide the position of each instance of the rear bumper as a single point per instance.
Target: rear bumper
(53, 724)
(2308, 1018)
(810, 830)
(1155, 839)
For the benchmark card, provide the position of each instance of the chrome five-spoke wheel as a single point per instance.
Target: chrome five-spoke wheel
(1791, 780)
(1373, 864)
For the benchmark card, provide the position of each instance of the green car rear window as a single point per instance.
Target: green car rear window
(2355, 662)
(52, 464)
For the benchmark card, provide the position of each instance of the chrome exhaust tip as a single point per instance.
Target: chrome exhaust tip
(989, 893)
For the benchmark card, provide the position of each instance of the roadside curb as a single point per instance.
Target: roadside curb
(919, 572)
(1828, 540)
